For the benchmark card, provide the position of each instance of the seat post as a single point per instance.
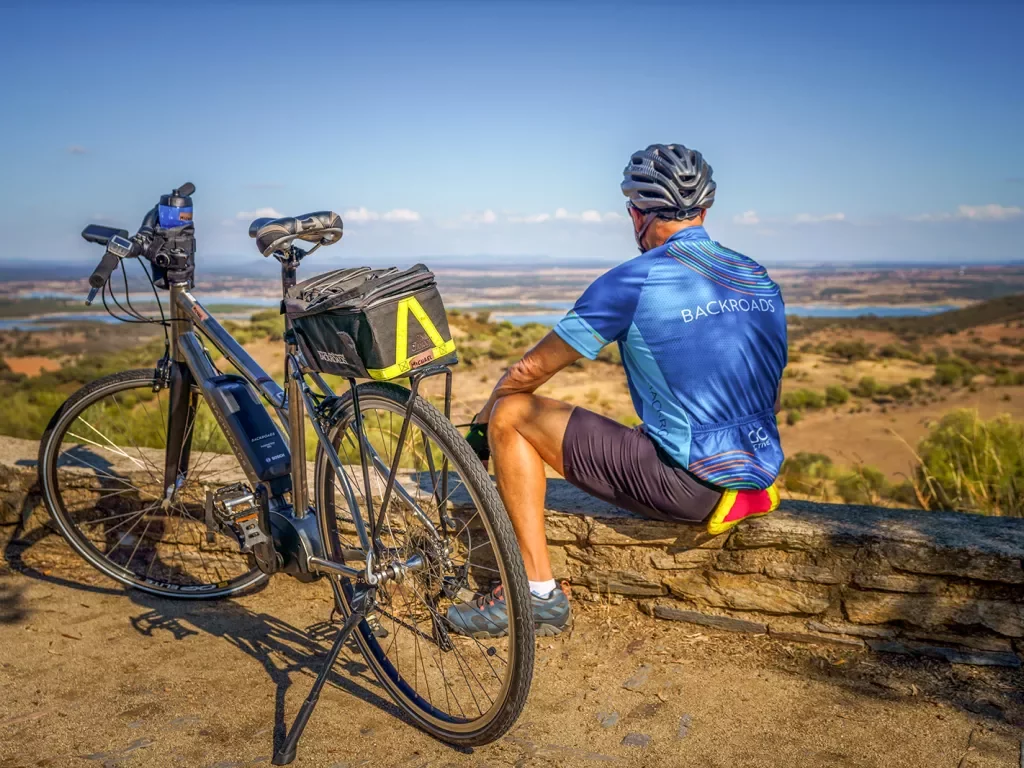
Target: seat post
(289, 270)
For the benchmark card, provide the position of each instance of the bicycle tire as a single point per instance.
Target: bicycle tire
(502, 715)
(50, 487)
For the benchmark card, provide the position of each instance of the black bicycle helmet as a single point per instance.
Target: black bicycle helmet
(669, 179)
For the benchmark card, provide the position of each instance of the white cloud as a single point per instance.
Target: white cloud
(810, 218)
(359, 214)
(77, 149)
(990, 212)
(482, 217)
(259, 213)
(401, 214)
(363, 213)
(589, 216)
(753, 218)
(535, 218)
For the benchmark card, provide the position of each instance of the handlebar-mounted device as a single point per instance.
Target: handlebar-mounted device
(167, 238)
(172, 238)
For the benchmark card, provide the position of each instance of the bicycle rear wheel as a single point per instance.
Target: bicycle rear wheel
(101, 475)
(464, 690)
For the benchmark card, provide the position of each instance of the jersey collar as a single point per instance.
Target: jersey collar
(690, 233)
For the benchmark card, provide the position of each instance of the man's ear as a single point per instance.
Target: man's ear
(703, 214)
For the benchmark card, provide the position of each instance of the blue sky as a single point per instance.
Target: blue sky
(838, 132)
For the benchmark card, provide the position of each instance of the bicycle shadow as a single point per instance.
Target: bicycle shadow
(283, 649)
(34, 528)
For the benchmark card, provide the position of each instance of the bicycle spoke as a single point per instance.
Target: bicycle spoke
(114, 449)
(131, 435)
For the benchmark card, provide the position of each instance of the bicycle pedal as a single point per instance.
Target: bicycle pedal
(239, 508)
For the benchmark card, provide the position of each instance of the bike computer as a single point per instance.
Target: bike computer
(120, 246)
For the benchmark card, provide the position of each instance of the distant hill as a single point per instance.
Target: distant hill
(1001, 310)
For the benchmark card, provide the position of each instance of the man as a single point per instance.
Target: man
(702, 334)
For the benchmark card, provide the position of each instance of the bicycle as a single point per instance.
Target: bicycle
(145, 474)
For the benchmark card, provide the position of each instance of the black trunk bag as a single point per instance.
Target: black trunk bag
(371, 323)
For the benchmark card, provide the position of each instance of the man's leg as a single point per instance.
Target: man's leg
(525, 432)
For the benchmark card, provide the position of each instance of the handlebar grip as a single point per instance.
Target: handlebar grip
(186, 189)
(103, 270)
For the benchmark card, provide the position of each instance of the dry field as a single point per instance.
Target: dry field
(96, 676)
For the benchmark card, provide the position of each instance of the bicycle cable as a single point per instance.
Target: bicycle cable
(132, 315)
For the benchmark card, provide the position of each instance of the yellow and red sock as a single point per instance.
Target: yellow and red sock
(736, 506)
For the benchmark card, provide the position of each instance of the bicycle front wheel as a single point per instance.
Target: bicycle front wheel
(101, 475)
(464, 690)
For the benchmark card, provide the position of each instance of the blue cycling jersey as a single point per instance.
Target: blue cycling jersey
(702, 332)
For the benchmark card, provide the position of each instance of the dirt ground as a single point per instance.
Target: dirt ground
(32, 365)
(95, 676)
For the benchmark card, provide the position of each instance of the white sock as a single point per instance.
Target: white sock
(542, 588)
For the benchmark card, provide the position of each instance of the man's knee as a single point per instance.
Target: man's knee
(510, 412)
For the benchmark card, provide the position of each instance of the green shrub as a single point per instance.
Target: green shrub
(802, 398)
(864, 485)
(974, 465)
(792, 417)
(866, 387)
(1010, 379)
(499, 350)
(611, 354)
(469, 353)
(953, 370)
(805, 472)
(900, 392)
(916, 383)
(851, 350)
(897, 351)
(836, 394)
(946, 374)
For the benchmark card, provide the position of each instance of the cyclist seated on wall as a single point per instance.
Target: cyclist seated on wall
(702, 334)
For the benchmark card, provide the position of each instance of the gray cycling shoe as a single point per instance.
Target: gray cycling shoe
(487, 615)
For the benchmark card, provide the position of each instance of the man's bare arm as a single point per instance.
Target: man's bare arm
(546, 358)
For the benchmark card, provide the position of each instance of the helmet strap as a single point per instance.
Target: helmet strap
(648, 220)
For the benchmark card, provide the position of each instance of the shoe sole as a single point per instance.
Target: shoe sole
(541, 630)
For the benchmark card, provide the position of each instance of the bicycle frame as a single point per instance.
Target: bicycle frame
(190, 362)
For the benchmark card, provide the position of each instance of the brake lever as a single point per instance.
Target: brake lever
(118, 248)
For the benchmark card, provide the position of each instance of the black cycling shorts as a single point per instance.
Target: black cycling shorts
(624, 467)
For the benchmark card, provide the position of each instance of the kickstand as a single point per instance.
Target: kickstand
(286, 754)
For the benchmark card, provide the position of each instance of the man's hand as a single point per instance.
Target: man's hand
(477, 439)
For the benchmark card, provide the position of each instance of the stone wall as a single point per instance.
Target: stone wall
(937, 584)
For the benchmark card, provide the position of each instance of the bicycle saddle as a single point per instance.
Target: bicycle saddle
(321, 227)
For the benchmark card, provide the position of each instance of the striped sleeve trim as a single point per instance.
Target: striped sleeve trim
(578, 334)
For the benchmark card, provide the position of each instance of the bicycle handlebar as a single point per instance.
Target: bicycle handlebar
(120, 246)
